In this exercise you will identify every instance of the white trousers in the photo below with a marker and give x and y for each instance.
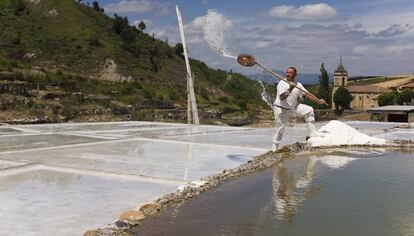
(282, 116)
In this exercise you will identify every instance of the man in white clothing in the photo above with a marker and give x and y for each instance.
(286, 105)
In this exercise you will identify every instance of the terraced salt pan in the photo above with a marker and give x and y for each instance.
(336, 133)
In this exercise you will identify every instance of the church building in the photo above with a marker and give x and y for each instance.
(364, 96)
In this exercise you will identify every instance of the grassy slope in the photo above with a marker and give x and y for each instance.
(63, 43)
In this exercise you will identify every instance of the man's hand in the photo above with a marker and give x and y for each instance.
(323, 102)
(284, 95)
(292, 85)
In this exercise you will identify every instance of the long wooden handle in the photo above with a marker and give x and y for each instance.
(279, 77)
(284, 80)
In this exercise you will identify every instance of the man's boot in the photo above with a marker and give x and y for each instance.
(312, 131)
(275, 147)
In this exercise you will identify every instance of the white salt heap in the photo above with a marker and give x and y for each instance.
(191, 185)
(337, 133)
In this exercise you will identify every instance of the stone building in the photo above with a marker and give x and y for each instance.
(364, 96)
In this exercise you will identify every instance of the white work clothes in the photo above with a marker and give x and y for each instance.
(282, 115)
(292, 100)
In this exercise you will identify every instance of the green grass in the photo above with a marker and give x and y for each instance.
(73, 46)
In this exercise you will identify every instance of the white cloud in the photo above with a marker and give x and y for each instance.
(163, 10)
(130, 6)
(305, 45)
(261, 44)
(198, 24)
(197, 39)
(364, 50)
(394, 30)
(317, 12)
(397, 49)
(376, 20)
(138, 6)
(377, 50)
(160, 34)
(357, 26)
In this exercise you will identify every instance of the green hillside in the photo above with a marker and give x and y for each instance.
(89, 61)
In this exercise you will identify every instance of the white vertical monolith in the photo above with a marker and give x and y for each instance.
(191, 105)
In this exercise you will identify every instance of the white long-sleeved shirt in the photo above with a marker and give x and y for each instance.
(292, 100)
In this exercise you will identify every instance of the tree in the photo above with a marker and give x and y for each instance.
(142, 26)
(120, 24)
(388, 98)
(324, 92)
(96, 5)
(179, 49)
(405, 97)
(342, 98)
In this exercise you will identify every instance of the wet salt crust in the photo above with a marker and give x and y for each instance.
(333, 134)
(336, 133)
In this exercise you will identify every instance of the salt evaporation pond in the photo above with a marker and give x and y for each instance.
(338, 192)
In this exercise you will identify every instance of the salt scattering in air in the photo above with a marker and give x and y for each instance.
(214, 32)
(337, 133)
(265, 96)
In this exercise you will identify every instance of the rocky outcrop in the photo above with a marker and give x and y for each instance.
(110, 72)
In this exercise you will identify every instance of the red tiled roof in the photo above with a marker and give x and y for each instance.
(408, 85)
(366, 89)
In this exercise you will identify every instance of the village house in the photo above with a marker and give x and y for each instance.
(404, 85)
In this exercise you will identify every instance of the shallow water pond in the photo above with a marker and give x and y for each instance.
(339, 192)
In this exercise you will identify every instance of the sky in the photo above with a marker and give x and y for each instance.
(374, 37)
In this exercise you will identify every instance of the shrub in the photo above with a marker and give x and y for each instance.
(18, 6)
(173, 95)
(147, 93)
(94, 41)
(405, 97)
(388, 98)
(204, 93)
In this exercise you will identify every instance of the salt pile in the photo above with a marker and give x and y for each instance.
(191, 185)
(336, 133)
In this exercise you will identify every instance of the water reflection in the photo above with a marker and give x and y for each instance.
(292, 179)
(291, 185)
(358, 153)
(312, 194)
